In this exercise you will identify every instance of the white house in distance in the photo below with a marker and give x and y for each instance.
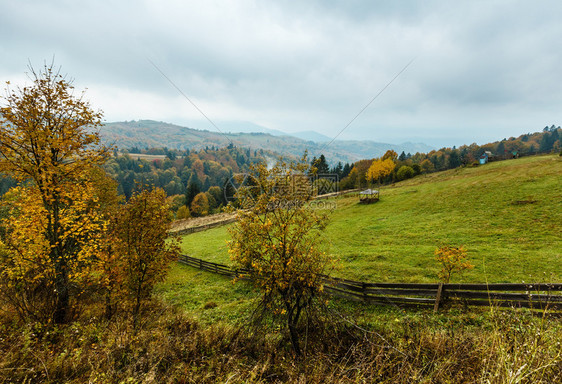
(486, 156)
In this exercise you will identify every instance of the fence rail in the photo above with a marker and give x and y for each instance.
(534, 296)
(335, 194)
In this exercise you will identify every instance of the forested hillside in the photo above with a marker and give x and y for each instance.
(206, 167)
(407, 165)
(145, 134)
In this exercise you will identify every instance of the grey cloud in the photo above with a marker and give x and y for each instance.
(481, 67)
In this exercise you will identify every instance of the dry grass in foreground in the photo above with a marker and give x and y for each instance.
(172, 348)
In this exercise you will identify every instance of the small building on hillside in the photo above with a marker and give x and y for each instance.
(368, 196)
(486, 156)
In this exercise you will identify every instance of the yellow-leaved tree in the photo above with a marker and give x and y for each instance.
(200, 205)
(380, 169)
(144, 254)
(48, 142)
(278, 238)
(453, 260)
(109, 275)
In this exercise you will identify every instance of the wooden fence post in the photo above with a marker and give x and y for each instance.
(438, 297)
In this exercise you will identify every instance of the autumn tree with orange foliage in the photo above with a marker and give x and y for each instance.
(278, 237)
(380, 169)
(200, 205)
(427, 166)
(144, 255)
(453, 260)
(390, 154)
(48, 141)
(109, 277)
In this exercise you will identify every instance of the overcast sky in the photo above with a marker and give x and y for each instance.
(482, 70)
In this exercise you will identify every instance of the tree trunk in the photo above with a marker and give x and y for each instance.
(136, 307)
(292, 323)
(58, 258)
(108, 306)
(294, 338)
(63, 297)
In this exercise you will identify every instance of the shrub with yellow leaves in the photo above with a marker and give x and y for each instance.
(278, 237)
(452, 260)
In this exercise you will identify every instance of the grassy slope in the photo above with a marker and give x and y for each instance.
(394, 239)
(208, 297)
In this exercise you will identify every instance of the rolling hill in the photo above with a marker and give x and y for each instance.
(154, 134)
(508, 215)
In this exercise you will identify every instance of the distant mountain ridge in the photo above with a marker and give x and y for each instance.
(312, 136)
(155, 134)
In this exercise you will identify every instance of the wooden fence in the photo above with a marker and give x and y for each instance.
(221, 269)
(335, 194)
(534, 296)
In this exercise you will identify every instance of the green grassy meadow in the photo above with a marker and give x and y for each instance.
(208, 297)
(507, 214)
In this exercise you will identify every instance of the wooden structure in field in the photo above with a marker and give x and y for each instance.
(368, 196)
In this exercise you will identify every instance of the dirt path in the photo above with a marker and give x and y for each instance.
(196, 224)
(201, 222)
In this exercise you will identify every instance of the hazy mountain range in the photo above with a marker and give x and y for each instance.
(155, 134)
